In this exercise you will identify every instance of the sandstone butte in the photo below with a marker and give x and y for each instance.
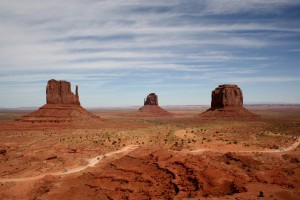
(151, 108)
(59, 92)
(62, 105)
(227, 102)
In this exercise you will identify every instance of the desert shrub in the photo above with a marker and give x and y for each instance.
(261, 194)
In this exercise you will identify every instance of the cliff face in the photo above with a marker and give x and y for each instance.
(151, 108)
(227, 103)
(59, 92)
(227, 96)
(62, 106)
(152, 99)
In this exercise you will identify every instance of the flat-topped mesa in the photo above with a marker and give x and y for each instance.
(59, 92)
(227, 103)
(227, 95)
(152, 99)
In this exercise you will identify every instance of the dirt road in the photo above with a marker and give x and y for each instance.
(91, 163)
(281, 150)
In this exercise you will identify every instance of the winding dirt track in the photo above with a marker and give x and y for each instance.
(281, 150)
(91, 163)
(95, 160)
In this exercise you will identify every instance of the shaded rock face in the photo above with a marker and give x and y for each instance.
(227, 103)
(62, 106)
(151, 108)
(59, 92)
(227, 96)
(152, 99)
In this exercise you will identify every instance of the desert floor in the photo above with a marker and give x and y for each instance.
(127, 157)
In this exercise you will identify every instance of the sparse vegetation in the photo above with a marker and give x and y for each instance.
(179, 135)
(261, 194)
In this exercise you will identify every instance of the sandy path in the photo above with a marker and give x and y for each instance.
(281, 150)
(91, 163)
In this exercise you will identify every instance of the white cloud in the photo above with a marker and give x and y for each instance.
(188, 40)
(29, 30)
(265, 79)
(237, 6)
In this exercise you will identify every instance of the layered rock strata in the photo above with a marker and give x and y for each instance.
(227, 102)
(59, 92)
(151, 99)
(151, 108)
(62, 106)
(227, 96)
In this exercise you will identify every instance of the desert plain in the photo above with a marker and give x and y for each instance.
(126, 156)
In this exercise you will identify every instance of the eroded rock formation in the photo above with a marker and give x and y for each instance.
(152, 99)
(227, 95)
(62, 106)
(151, 108)
(227, 102)
(59, 92)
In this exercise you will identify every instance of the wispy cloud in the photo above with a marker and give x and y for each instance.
(264, 79)
(114, 42)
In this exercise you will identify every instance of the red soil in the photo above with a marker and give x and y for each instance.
(160, 174)
(178, 158)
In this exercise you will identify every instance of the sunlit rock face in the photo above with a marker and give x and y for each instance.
(59, 92)
(227, 96)
(151, 99)
(227, 103)
(62, 106)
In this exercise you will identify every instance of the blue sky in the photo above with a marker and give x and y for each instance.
(119, 51)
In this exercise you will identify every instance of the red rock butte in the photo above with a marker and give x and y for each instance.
(227, 96)
(152, 99)
(62, 106)
(151, 108)
(59, 92)
(227, 102)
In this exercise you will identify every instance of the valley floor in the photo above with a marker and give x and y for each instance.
(179, 157)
